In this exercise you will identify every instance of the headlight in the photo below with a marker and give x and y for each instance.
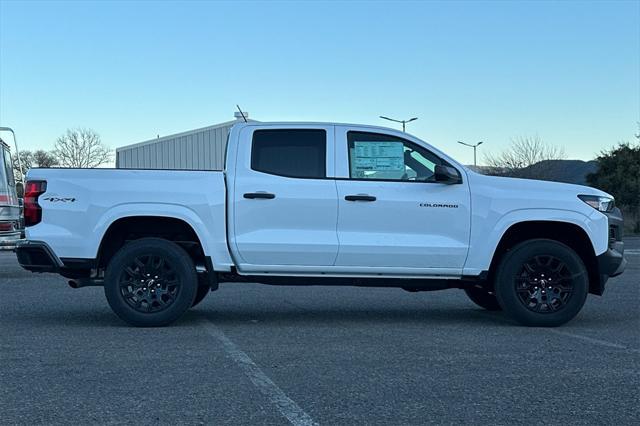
(603, 204)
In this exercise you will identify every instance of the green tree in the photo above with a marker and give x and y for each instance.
(619, 175)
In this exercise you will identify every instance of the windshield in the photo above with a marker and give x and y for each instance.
(7, 182)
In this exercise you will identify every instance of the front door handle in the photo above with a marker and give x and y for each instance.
(360, 197)
(262, 195)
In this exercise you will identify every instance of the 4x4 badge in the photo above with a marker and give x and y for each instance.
(60, 200)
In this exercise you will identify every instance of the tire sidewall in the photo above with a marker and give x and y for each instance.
(173, 254)
(512, 263)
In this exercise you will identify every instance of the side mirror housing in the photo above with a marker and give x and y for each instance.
(447, 174)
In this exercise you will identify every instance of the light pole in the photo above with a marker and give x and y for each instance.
(15, 142)
(404, 122)
(474, 150)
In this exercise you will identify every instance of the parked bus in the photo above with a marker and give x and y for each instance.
(9, 208)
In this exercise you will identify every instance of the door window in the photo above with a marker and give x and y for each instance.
(297, 153)
(377, 156)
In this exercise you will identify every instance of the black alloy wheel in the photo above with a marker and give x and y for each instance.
(544, 284)
(541, 283)
(150, 282)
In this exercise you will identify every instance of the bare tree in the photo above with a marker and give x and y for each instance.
(521, 154)
(81, 148)
(26, 160)
(29, 160)
(42, 158)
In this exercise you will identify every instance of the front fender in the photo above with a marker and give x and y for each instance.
(486, 233)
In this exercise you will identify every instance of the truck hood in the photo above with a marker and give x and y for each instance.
(501, 195)
(532, 185)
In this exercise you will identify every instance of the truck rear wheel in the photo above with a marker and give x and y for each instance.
(150, 282)
(483, 298)
(541, 283)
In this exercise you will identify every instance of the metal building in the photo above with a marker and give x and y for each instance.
(199, 149)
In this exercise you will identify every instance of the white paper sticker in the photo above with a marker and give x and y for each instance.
(378, 156)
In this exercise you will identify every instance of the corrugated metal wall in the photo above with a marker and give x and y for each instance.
(202, 149)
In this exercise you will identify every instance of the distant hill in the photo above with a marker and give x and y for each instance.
(567, 171)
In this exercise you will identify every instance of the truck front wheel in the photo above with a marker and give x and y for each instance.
(541, 283)
(150, 282)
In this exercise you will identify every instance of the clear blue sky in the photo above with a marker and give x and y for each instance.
(568, 71)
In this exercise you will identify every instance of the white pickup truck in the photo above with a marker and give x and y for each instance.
(322, 204)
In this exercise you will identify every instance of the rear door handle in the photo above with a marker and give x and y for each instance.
(262, 195)
(360, 198)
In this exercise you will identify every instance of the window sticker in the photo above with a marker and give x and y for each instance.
(378, 156)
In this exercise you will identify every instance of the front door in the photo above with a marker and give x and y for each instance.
(285, 206)
(392, 214)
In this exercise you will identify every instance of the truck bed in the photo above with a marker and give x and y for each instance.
(80, 204)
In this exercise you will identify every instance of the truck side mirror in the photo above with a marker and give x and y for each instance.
(447, 174)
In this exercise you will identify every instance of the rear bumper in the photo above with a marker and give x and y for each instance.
(8, 240)
(36, 256)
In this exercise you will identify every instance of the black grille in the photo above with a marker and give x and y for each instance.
(614, 233)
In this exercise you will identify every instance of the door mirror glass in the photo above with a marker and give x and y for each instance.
(447, 174)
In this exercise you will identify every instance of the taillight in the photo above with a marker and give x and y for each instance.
(7, 226)
(32, 210)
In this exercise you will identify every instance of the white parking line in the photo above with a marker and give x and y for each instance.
(286, 405)
(632, 251)
(592, 340)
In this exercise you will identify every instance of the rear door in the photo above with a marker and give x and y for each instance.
(284, 198)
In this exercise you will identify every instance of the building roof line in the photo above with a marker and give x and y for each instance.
(177, 135)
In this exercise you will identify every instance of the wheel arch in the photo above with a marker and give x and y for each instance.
(136, 226)
(571, 234)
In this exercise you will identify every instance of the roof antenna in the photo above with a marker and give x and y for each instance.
(241, 113)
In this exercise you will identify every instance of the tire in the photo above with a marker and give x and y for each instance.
(203, 291)
(541, 283)
(150, 282)
(483, 298)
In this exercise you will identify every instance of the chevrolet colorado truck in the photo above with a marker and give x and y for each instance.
(322, 204)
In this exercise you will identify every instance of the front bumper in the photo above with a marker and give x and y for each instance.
(612, 263)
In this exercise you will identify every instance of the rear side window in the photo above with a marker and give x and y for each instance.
(297, 153)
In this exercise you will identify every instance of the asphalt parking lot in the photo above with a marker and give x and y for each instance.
(255, 354)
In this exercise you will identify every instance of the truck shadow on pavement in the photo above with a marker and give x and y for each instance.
(337, 316)
(78, 317)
